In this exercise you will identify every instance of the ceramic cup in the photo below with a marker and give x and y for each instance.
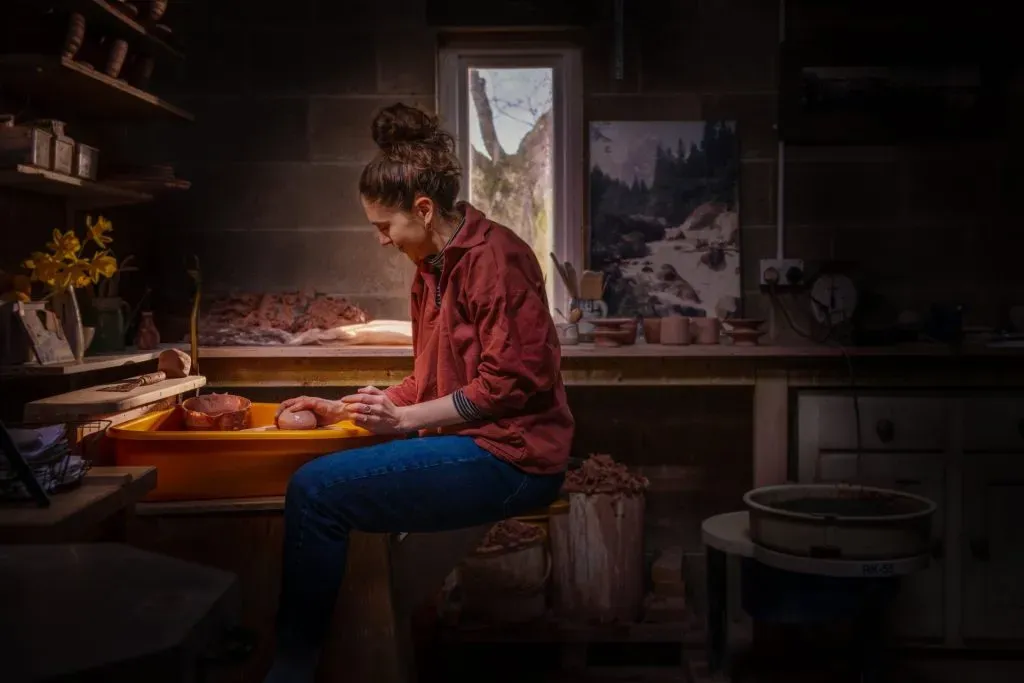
(675, 330)
(705, 330)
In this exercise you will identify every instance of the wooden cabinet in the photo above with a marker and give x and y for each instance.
(965, 451)
(993, 495)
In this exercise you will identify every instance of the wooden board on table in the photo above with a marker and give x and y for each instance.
(71, 515)
(86, 403)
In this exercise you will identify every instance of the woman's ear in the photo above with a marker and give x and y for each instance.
(423, 208)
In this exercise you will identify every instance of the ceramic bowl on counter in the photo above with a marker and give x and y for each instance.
(743, 331)
(610, 332)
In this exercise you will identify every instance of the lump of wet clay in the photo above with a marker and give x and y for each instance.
(301, 419)
(602, 474)
(174, 363)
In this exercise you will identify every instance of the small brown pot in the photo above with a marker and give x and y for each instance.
(75, 36)
(652, 330)
(115, 58)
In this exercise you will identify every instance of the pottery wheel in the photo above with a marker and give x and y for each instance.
(730, 533)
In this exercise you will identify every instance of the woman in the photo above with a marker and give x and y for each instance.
(485, 398)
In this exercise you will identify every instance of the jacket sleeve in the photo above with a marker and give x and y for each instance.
(520, 353)
(404, 393)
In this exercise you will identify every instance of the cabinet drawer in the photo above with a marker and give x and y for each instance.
(994, 423)
(898, 423)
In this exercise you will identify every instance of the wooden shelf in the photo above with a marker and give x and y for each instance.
(108, 16)
(83, 193)
(102, 361)
(82, 88)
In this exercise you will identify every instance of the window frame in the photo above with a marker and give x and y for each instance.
(568, 136)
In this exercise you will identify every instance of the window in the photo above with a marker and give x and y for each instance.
(518, 121)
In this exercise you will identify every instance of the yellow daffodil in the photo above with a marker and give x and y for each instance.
(44, 267)
(66, 265)
(97, 231)
(102, 265)
(65, 246)
(80, 273)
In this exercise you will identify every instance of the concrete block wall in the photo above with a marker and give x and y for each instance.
(283, 94)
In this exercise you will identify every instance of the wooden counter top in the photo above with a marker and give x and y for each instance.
(587, 351)
(637, 365)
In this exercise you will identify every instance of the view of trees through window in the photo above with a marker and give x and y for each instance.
(511, 152)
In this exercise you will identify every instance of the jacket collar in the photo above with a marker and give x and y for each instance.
(473, 231)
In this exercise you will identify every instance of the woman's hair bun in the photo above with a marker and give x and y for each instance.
(401, 123)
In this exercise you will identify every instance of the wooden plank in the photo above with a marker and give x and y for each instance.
(84, 193)
(85, 90)
(771, 429)
(101, 361)
(72, 515)
(199, 507)
(85, 403)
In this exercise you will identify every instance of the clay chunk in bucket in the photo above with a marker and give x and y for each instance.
(217, 412)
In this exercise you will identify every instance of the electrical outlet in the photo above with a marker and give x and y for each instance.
(785, 273)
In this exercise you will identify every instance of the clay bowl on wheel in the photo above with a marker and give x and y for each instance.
(217, 413)
(614, 331)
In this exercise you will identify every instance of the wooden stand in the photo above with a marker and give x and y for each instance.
(597, 557)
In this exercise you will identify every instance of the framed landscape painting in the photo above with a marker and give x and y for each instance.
(664, 217)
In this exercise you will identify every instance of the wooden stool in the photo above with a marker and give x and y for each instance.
(388, 577)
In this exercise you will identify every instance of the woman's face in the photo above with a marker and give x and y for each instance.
(408, 231)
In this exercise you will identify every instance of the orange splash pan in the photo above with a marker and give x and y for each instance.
(208, 465)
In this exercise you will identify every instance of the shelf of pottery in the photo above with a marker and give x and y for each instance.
(92, 59)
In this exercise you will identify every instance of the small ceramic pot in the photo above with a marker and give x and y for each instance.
(115, 58)
(652, 330)
(75, 35)
(675, 330)
(705, 330)
(568, 333)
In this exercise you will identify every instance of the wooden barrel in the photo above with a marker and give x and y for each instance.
(507, 585)
(597, 558)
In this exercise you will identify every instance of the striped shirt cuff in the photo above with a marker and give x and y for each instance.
(465, 408)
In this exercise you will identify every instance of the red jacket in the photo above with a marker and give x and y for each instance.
(492, 337)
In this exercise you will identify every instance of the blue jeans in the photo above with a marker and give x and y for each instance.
(427, 484)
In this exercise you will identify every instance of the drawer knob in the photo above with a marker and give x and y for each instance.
(886, 430)
(980, 549)
(1020, 426)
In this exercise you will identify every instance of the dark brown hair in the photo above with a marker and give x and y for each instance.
(416, 158)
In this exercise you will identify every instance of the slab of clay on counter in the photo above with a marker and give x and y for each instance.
(267, 319)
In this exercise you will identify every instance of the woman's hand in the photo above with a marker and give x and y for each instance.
(371, 409)
(327, 412)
